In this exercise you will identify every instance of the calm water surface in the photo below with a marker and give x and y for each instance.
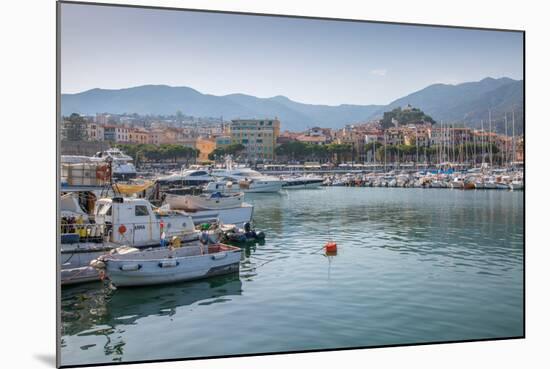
(413, 265)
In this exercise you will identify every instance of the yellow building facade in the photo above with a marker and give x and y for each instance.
(258, 136)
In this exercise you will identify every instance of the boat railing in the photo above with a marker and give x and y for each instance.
(102, 232)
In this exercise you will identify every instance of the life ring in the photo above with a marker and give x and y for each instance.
(122, 229)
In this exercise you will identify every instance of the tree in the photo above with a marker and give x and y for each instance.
(340, 151)
(74, 128)
(234, 149)
(404, 117)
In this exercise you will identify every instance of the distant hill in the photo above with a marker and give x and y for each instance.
(160, 99)
(469, 103)
(466, 102)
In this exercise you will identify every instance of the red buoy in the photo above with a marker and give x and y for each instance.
(331, 247)
(122, 229)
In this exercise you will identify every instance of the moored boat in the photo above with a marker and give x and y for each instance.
(168, 265)
(205, 201)
(291, 183)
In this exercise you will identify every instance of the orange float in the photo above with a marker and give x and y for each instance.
(331, 247)
(122, 229)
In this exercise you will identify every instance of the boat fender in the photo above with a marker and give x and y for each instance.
(122, 229)
(98, 264)
(219, 256)
(168, 263)
(130, 267)
(260, 235)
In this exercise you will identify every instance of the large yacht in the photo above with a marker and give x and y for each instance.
(301, 182)
(244, 179)
(122, 164)
(247, 180)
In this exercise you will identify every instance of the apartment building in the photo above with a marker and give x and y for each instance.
(258, 136)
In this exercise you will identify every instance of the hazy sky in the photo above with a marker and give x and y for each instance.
(312, 61)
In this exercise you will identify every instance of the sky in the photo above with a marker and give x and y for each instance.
(306, 60)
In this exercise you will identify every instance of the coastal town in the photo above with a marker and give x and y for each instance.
(387, 142)
(251, 185)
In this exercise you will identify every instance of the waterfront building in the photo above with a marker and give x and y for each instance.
(116, 133)
(138, 136)
(258, 136)
(95, 132)
(316, 140)
(122, 133)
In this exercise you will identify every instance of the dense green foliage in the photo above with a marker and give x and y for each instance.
(220, 152)
(165, 152)
(403, 117)
(300, 151)
(74, 128)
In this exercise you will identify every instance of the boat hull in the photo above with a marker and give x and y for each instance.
(153, 271)
(298, 185)
(189, 202)
(238, 215)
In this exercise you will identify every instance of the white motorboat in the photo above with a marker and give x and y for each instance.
(205, 201)
(291, 183)
(122, 164)
(244, 180)
(168, 265)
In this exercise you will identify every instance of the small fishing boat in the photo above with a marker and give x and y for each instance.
(126, 267)
(205, 201)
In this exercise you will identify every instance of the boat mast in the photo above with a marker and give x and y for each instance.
(482, 144)
(513, 137)
(505, 161)
(490, 142)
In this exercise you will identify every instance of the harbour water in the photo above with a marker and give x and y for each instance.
(413, 265)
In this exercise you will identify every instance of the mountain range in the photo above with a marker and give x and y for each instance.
(466, 103)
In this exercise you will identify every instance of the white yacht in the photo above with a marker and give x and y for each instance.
(122, 164)
(244, 179)
(247, 180)
(302, 182)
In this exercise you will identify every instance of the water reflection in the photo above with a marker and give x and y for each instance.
(96, 310)
(411, 266)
